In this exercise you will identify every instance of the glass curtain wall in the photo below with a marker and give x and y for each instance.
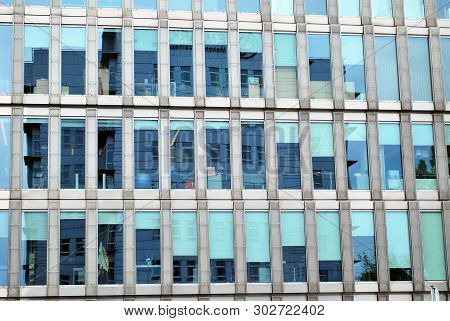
(285, 51)
(251, 58)
(145, 4)
(356, 151)
(109, 154)
(319, 66)
(386, 65)
(424, 156)
(35, 153)
(293, 246)
(73, 3)
(146, 162)
(216, 64)
(221, 246)
(349, 8)
(257, 247)
(148, 248)
(218, 155)
(322, 151)
(353, 62)
(180, 5)
(181, 72)
(36, 59)
(72, 248)
(6, 39)
(316, 7)
(413, 9)
(110, 248)
(73, 60)
(282, 7)
(419, 68)
(381, 8)
(215, 6)
(433, 246)
(288, 154)
(248, 6)
(253, 155)
(73, 153)
(445, 47)
(5, 151)
(443, 9)
(398, 246)
(182, 154)
(391, 156)
(329, 248)
(363, 236)
(114, 4)
(109, 61)
(4, 248)
(145, 62)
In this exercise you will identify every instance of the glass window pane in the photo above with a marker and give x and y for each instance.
(424, 156)
(445, 45)
(110, 61)
(221, 245)
(381, 8)
(288, 154)
(357, 162)
(184, 238)
(73, 65)
(248, 6)
(182, 154)
(252, 85)
(72, 248)
(419, 68)
(216, 63)
(398, 246)
(73, 3)
(363, 236)
(447, 130)
(413, 9)
(285, 50)
(146, 164)
(433, 247)
(215, 5)
(253, 155)
(443, 9)
(322, 150)
(110, 248)
(6, 39)
(386, 64)
(35, 153)
(182, 5)
(148, 248)
(319, 67)
(146, 62)
(45, 3)
(349, 8)
(33, 270)
(329, 248)
(109, 154)
(145, 4)
(391, 156)
(283, 7)
(257, 247)
(4, 249)
(316, 7)
(110, 3)
(37, 40)
(7, 3)
(353, 61)
(5, 151)
(218, 155)
(181, 72)
(72, 153)
(293, 245)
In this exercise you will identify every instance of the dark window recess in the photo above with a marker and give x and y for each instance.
(110, 63)
(330, 271)
(109, 157)
(72, 157)
(258, 272)
(288, 165)
(73, 72)
(110, 254)
(36, 154)
(218, 158)
(222, 271)
(323, 173)
(400, 274)
(364, 258)
(148, 256)
(253, 156)
(294, 263)
(72, 252)
(184, 269)
(182, 159)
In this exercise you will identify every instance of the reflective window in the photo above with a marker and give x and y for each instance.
(391, 156)
(285, 50)
(398, 246)
(145, 4)
(146, 62)
(146, 164)
(109, 154)
(45, 3)
(109, 61)
(293, 246)
(445, 45)
(4, 249)
(5, 151)
(73, 3)
(148, 248)
(257, 247)
(288, 154)
(182, 154)
(215, 5)
(424, 156)
(282, 7)
(248, 6)
(252, 85)
(37, 41)
(319, 67)
(7, 3)
(381, 8)
(110, 3)
(72, 248)
(447, 134)
(357, 162)
(6, 39)
(353, 61)
(216, 63)
(181, 72)
(73, 65)
(443, 9)
(329, 248)
(433, 247)
(413, 9)
(35, 153)
(349, 8)
(322, 151)
(182, 5)
(253, 155)
(316, 7)
(221, 246)
(218, 155)
(419, 68)
(73, 153)
(110, 248)
(33, 267)
(184, 239)
(386, 64)
(363, 236)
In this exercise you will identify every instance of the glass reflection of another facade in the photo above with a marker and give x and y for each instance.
(181, 59)
(252, 85)
(73, 60)
(216, 64)
(257, 247)
(319, 66)
(253, 155)
(293, 246)
(148, 248)
(398, 246)
(72, 153)
(424, 156)
(391, 156)
(182, 169)
(145, 62)
(109, 61)
(322, 150)
(218, 155)
(146, 163)
(285, 52)
(329, 248)
(221, 246)
(36, 59)
(35, 153)
(357, 162)
(72, 248)
(353, 62)
(288, 155)
(110, 248)
(443, 9)
(109, 154)
(5, 151)
(363, 236)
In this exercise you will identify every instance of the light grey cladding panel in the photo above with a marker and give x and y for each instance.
(232, 10)
(265, 10)
(54, 144)
(381, 247)
(340, 156)
(271, 156)
(240, 265)
(128, 153)
(403, 68)
(333, 11)
(409, 175)
(16, 152)
(236, 155)
(370, 67)
(91, 151)
(164, 154)
(166, 246)
(92, 61)
(336, 67)
(18, 56)
(416, 246)
(268, 69)
(307, 184)
(199, 65)
(53, 249)
(162, 8)
(203, 248)
(55, 60)
(164, 63)
(398, 12)
(446, 220)
(15, 232)
(200, 154)
(129, 263)
(303, 65)
(430, 12)
(374, 156)
(91, 248)
(365, 12)
(234, 64)
(127, 62)
(312, 255)
(345, 222)
(299, 11)
(197, 9)
(275, 246)
(441, 157)
(437, 70)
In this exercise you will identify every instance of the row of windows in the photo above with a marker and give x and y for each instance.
(182, 154)
(146, 74)
(413, 9)
(110, 242)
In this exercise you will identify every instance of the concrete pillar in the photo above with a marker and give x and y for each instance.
(53, 249)
(128, 154)
(333, 11)
(232, 10)
(200, 154)
(303, 66)
(398, 12)
(276, 259)
(370, 67)
(430, 13)
(409, 174)
(197, 9)
(441, 157)
(381, 248)
(240, 259)
(366, 12)
(299, 11)
(436, 70)
(55, 54)
(164, 154)
(236, 155)
(167, 251)
(54, 144)
(268, 61)
(266, 10)
(374, 156)
(199, 64)
(403, 68)
(337, 73)
(15, 232)
(234, 63)
(129, 249)
(340, 158)
(416, 250)
(18, 55)
(203, 248)
(306, 156)
(345, 222)
(446, 225)
(271, 156)
(91, 153)
(128, 61)
(312, 254)
(163, 60)
(92, 55)
(162, 9)
(91, 276)
(16, 153)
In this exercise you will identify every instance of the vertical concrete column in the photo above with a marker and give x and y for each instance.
(306, 156)
(381, 248)
(92, 54)
(164, 154)
(337, 73)
(398, 12)
(370, 67)
(240, 258)
(333, 11)
(200, 154)
(162, 9)
(236, 155)
(299, 11)
(166, 255)
(53, 249)
(129, 249)
(91, 153)
(403, 68)
(348, 275)
(303, 65)
(91, 248)
(234, 64)
(199, 64)
(446, 221)
(16, 153)
(18, 41)
(374, 156)
(416, 250)
(441, 157)
(430, 13)
(163, 61)
(54, 153)
(203, 248)
(276, 250)
(436, 69)
(128, 61)
(128, 153)
(366, 12)
(55, 54)
(409, 174)
(266, 10)
(269, 70)
(340, 157)
(232, 10)
(312, 254)
(197, 9)
(271, 156)
(15, 232)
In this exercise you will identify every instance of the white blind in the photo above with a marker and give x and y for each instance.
(221, 242)
(328, 240)
(147, 220)
(184, 233)
(257, 237)
(292, 229)
(34, 226)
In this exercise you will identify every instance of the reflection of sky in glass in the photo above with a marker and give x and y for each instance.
(145, 4)
(35, 37)
(73, 3)
(5, 58)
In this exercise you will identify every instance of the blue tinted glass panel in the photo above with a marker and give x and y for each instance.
(110, 154)
(288, 154)
(433, 246)
(413, 9)
(386, 64)
(349, 8)
(72, 154)
(146, 170)
(319, 67)
(316, 7)
(73, 3)
(363, 235)
(181, 72)
(285, 50)
(148, 248)
(328, 243)
(282, 7)
(110, 61)
(322, 151)
(353, 61)
(181, 5)
(381, 8)
(251, 65)
(443, 9)
(221, 246)
(5, 151)
(37, 3)
(36, 44)
(4, 230)
(146, 62)
(6, 59)
(398, 246)
(253, 155)
(293, 245)
(419, 68)
(110, 3)
(390, 156)
(248, 6)
(72, 248)
(110, 248)
(357, 162)
(445, 45)
(215, 5)
(257, 247)
(73, 61)
(218, 155)
(216, 60)
(182, 154)
(424, 156)
(35, 153)
(7, 3)
(145, 4)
